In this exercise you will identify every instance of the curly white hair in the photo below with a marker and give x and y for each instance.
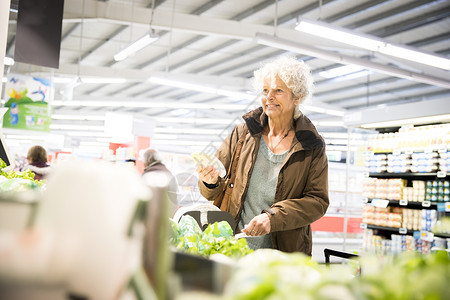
(294, 73)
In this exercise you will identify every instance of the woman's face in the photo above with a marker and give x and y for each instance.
(277, 100)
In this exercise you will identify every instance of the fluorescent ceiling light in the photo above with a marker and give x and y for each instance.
(276, 42)
(201, 88)
(8, 61)
(399, 123)
(340, 35)
(139, 44)
(372, 43)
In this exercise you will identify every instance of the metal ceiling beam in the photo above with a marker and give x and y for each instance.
(390, 13)
(421, 20)
(354, 10)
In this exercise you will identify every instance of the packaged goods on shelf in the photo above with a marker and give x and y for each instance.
(384, 188)
(437, 190)
(411, 138)
(373, 243)
(399, 217)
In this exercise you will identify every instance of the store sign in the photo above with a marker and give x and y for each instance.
(27, 103)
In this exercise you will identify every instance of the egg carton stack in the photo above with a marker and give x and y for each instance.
(376, 163)
(416, 193)
(444, 161)
(399, 163)
(380, 216)
(425, 162)
(390, 189)
(411, 219)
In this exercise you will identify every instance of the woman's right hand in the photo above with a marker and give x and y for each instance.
(208, 175)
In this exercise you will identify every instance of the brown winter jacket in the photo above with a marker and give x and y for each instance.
(301, 196)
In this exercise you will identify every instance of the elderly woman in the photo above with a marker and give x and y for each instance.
(281, 183)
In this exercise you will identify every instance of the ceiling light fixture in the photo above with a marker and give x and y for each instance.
(272, 41)
(145, 40)
(148, 38)
(372, 43)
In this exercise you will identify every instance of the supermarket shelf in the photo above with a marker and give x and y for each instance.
(409, 204)
(404, 175)
(443, 235)
(391, 229)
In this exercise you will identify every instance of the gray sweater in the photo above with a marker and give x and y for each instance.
(261, 191)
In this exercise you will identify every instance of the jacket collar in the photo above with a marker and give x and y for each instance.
(305, 131)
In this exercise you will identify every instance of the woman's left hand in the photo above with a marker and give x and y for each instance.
(259, 225)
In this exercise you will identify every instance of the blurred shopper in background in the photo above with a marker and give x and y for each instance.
(281, 184)
(155, 169)
(37, 162)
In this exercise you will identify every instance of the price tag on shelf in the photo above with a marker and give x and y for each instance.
(380, 203)
(426, 203)
(426, 236)
(363, 225)
(416, 235)
(442, 150)
(396, 152)
(428, 150)
(402, 230)
(366, 174)
(409, 151)
(365, 200)
(403, 202)
(441, 174)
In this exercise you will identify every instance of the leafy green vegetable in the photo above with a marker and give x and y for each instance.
(216, 239)
(271, 274)
(17, 181)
